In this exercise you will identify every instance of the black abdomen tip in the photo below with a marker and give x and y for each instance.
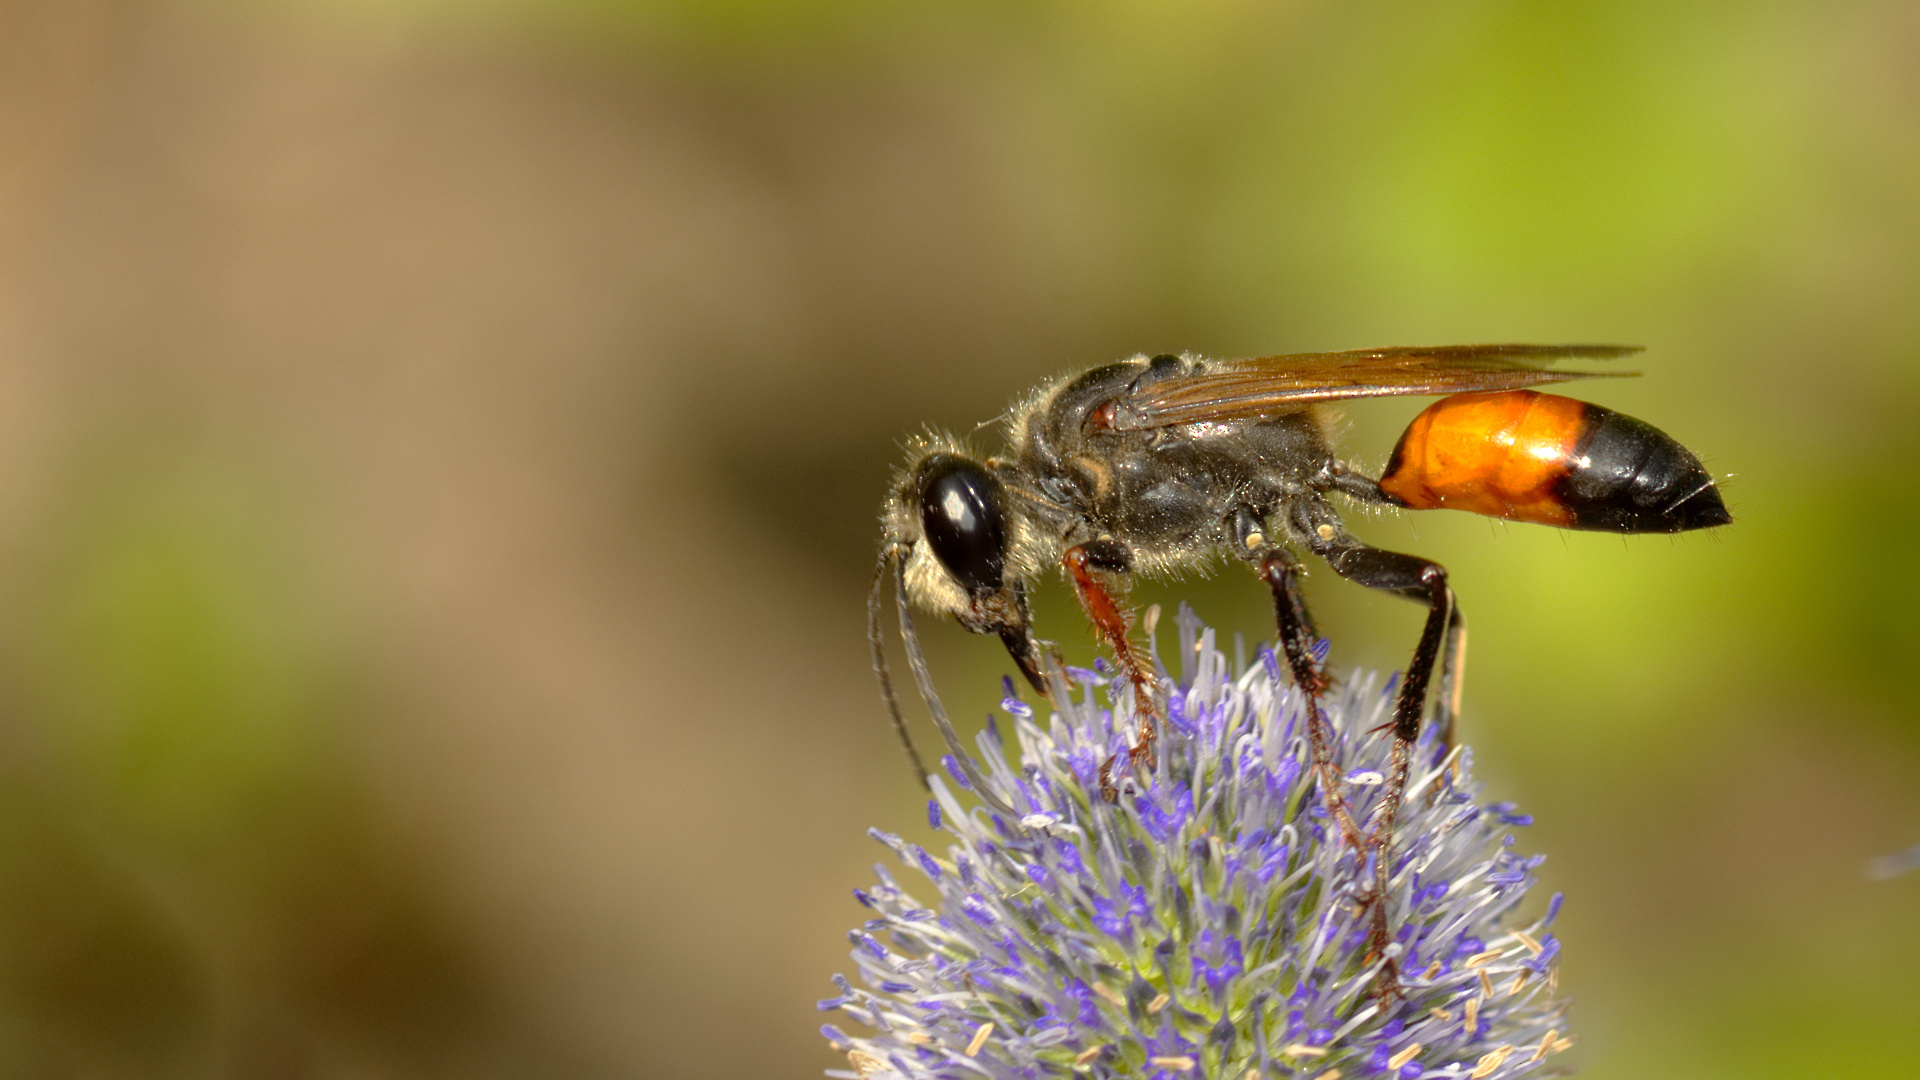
(1627, 476)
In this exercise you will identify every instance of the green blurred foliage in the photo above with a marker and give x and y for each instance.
(184, 681)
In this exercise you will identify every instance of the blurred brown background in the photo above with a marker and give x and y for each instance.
(439, 445)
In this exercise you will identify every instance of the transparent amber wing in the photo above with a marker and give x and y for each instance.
(1272, 385)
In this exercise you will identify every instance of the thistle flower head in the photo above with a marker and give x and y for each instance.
(1209, 923)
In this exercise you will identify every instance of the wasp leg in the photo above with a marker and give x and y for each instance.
(1417, 579)
(1086, 563)
(1351, 482)
(1453, 673)
(1278, 568)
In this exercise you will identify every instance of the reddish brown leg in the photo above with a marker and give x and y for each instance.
(1086, 564)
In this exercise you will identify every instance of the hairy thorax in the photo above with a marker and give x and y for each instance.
(1166, 492)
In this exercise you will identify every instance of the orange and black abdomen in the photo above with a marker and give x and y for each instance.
(1529, 456)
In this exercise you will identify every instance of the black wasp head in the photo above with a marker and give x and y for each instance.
(963, 521)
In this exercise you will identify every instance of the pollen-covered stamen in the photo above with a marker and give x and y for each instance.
(980, 1037)
(1490, 1063)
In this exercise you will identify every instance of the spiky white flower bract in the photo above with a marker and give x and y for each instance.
(1209, 923)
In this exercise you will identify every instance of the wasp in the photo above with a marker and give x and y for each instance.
(1161, 464)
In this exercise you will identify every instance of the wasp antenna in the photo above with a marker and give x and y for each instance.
(877, 639)
(923, 678)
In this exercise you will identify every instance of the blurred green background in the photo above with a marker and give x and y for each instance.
(439, 445)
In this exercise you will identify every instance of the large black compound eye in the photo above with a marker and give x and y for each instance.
(960, 514)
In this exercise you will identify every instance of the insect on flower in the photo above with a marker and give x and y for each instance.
(1160, 464)
(1215, 925)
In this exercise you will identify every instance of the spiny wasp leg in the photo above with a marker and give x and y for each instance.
(1417, 579)
(1319, 522)
(1282, 574)
(1086, 565)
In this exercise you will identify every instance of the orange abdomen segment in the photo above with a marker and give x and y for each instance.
(1503, 455)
